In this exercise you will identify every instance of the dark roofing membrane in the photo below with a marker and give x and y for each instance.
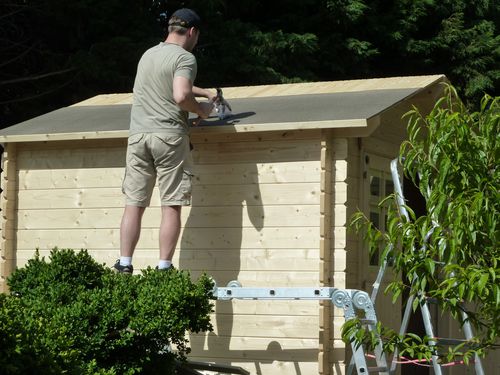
(246, 111)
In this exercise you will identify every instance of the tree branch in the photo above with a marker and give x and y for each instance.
(33, 78)
(38, 95)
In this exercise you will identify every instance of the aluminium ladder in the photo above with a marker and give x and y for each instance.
(424, 307)
(353, 302)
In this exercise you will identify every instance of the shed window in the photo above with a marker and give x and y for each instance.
(378, 184)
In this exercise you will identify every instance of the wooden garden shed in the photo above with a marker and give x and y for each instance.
(274, 188)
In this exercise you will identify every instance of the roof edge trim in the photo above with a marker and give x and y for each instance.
(63, 136)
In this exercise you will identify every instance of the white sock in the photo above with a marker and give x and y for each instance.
(163, 264)
(125, 261)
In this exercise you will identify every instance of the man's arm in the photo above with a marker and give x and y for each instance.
(199, 92)
(184, 96)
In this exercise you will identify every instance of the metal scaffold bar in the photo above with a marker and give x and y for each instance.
(354, 303)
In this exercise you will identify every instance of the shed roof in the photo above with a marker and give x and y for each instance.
(352, 105)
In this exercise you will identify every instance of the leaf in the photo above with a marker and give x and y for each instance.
(481, 284)
(415, 304)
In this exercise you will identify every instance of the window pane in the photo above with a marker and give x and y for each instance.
(375, 219)
(374, 186)
(374, 258)
(389, 187)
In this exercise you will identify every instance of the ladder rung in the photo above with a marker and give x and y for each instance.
(432, 300)
(449, 341)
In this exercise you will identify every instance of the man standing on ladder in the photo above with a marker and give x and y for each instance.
(158, 143)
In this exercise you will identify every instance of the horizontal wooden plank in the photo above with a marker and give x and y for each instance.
(191, 217)
(196, 238)
(262, 278)
(203, 195)
(340, 216)
(255, 348)
(33, 159)
(266, 194)
(64, 178)
(251, 278)
(258, 152)
(268, 326)
(70, 198)
(262, 307)
(73, 144)
(217, 174)
(288, 135)
(75, 155)
(205, 153)
(340, 191)
(259, 367)
(339, 261)
(269, 260)
(263, 173)
(222, 260)
(340, 168)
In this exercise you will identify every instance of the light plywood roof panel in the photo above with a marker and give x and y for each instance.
(288, 89)
(336, 105)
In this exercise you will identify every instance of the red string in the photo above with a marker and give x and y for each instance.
(418, 362)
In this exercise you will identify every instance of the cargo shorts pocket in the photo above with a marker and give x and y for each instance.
(167, 150)
(134, 150)
(139, 178)
(186, 187)
(171, 140)
(135, 138)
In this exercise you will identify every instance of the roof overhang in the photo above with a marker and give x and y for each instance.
(349, 108)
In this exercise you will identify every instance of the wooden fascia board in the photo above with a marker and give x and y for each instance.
(359, 132)
(357, 126)
(255, 128)
(63, 136)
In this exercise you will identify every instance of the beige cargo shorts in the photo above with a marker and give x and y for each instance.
(156, 156)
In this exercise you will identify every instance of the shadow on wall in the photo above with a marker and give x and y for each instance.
(212, 241)
(222, 236)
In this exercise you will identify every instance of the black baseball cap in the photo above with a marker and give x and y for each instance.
(188, 18)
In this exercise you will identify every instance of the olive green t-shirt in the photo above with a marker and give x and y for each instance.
(154, 109)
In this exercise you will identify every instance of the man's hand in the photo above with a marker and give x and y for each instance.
(199, 92)
(220, 101)
(205, 108)
(184, 96)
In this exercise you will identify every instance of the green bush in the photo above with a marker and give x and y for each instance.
(73, 315)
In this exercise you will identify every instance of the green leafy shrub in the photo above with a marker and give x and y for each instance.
(73, 315)
(452, 157)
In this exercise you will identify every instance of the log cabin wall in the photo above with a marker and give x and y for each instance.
(255, 217)
(272, 186)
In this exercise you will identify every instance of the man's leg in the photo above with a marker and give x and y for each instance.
(130, 229)
(170, 229)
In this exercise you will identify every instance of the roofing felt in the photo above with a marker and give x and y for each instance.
(246, 111)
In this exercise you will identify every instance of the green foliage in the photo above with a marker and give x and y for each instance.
(73, 315)
(405, 37)
(451, 253)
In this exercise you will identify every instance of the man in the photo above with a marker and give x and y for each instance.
(158, 143)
